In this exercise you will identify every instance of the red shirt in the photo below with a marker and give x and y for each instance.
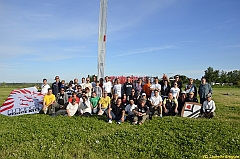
(77, 100)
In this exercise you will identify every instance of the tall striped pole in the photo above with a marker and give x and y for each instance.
(102, 38)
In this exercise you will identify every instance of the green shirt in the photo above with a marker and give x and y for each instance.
(94, 101)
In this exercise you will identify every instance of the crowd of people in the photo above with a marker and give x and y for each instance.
(136, 101)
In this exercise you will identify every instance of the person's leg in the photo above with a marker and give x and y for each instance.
(60, 112)
(144, 118)
(135, 120)
(94, 110)
(55, 107)
(113, 116)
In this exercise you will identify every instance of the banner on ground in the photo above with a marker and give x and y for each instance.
(22, 101)
(191, 110)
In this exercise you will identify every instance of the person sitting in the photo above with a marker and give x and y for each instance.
(116, 112)
(124, 100)
(88, 92)
(129, 109)
(181, 101)
(144, 96)
(85, 107)
(74, 96)
(156, 104)
(104, 103)
(61, 101)
(94, 102)
(114, 99)
(48, 100)
(141, 113)
(134, 96)
(209, 107)
(170, 105)
(63, 85)
(71, 109)
(191, 98)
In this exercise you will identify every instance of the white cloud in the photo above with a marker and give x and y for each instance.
(147, 50)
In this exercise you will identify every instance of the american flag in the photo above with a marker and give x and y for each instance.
(23, 101)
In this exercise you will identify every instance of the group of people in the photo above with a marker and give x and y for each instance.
(136, 101)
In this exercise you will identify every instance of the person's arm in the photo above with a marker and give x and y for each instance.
(213, 106)
(109, 112)
(210, 89)
(68, 112)
(123, 114)
(100, 91)
(164, 106)
(195, 91)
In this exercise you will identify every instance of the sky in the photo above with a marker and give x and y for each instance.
(42, 39)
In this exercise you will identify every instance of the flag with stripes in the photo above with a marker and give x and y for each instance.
(22, 101)
(191, 110)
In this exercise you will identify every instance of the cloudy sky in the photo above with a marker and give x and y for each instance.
(41, 39)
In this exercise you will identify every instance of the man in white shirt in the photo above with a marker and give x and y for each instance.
(209, 107)
(70, 110)
(155, 86)
(117, 89)
(44, 87)
(129, 109)
(107, 86)
(156, 104)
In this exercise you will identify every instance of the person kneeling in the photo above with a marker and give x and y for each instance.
(209, 107)
(116, 112)
(170, 105)
(141, 113)
(85, 107)
(71, 109)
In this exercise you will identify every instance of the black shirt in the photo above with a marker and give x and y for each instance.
(60, 100)
(117, 110)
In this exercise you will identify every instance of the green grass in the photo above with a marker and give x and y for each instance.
(41, 136)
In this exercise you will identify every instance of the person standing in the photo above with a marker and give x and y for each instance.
(56, 86)
(44, 87)
(191, 88)
(204, 89)
(107, 86)
(117, 88)
(179, 83)
(98, 90)
(165, 89)
(175, 90)
(139, 86)
(146, 88)
(83, 83)
(127, 87)
(155, 86)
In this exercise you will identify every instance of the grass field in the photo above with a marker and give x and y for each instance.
(41, 136)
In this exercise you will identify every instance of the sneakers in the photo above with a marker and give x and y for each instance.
(118, 122)
(160, 115)
(134, 122)
(110, 121)
(140, 123)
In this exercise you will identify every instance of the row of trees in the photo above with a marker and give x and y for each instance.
(222, 76)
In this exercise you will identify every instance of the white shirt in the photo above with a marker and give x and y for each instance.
(129, 108)
(175, 91)
(156, 100)
(155, 86)
(209, 105)
(85, 107)
(72, 108)
(44, 88)
(107, 86)
(117, 89)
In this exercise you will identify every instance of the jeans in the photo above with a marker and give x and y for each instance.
(116, 118)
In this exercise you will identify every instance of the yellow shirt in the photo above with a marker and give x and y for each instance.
(49, 98)
(104, 102)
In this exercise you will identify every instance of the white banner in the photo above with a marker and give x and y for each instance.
(191, 110)
(23, 101)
